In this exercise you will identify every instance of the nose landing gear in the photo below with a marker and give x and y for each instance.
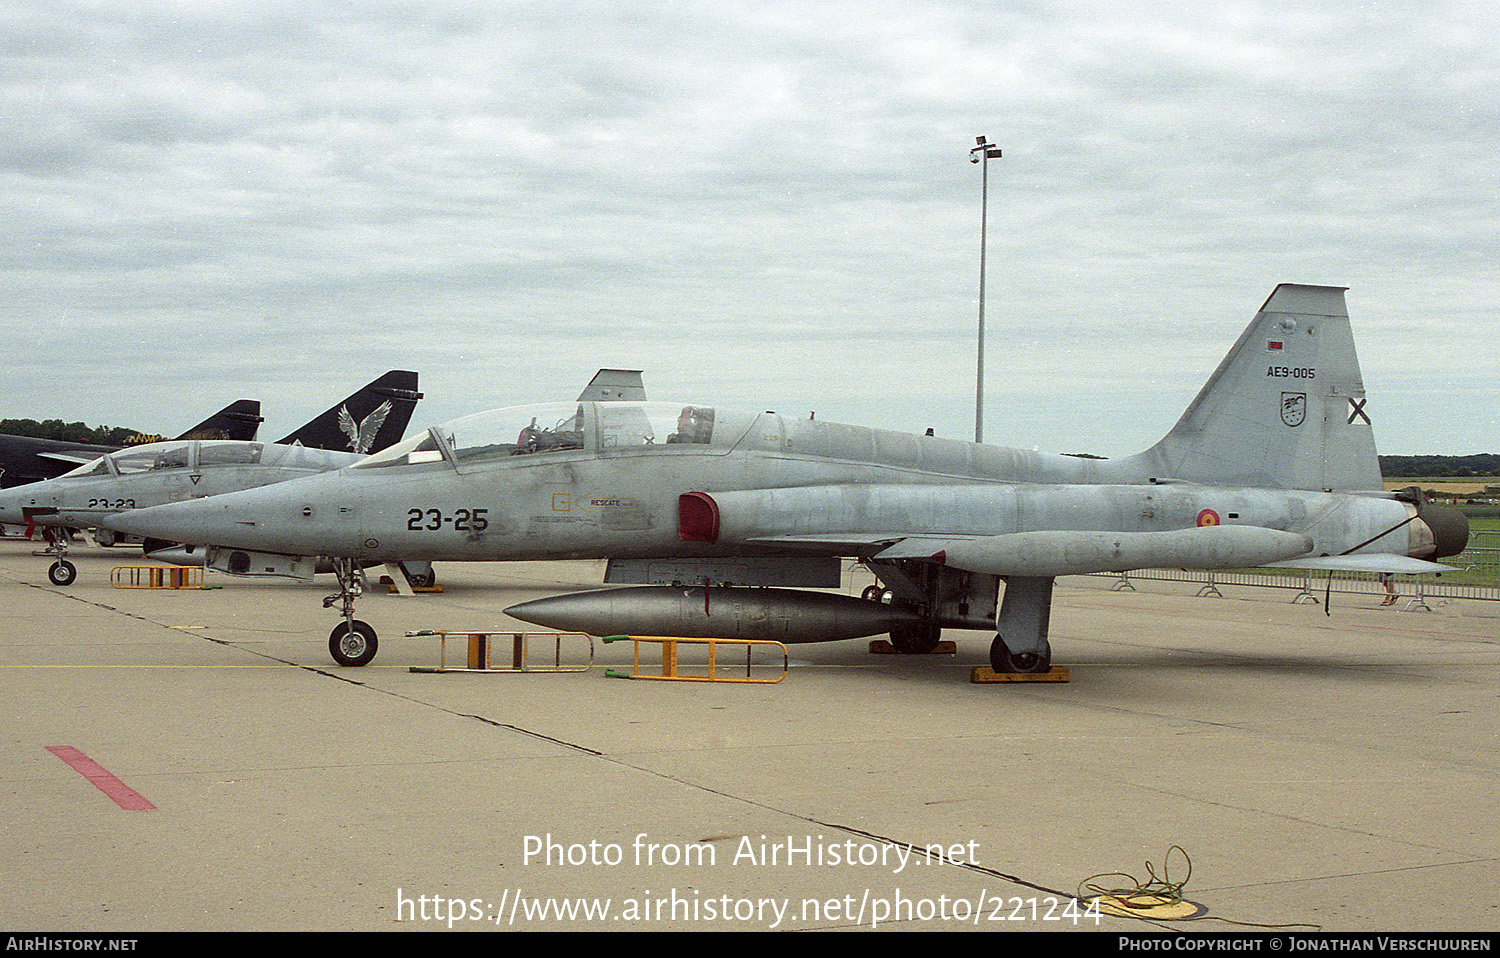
(352, 642)
(62, 572)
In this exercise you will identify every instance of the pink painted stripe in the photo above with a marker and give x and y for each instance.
(122, 794)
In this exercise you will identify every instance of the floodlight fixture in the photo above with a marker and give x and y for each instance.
(985, 151)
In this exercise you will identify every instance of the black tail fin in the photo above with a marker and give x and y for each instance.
(366, 422)
(240, 420)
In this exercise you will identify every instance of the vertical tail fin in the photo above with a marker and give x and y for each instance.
(1285, 409)
(366, 422)
(613, 384)
(240, 420)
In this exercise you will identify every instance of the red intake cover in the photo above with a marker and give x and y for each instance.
(697, 517)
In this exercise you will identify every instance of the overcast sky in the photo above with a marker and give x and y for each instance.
(757, 203)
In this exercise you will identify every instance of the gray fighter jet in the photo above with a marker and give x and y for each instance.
(151, 474)
(720, 522)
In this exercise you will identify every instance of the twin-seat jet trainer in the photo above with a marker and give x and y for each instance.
(717, 523)
(192, 467)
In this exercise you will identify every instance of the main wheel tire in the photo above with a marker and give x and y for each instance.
(352, 643)
(62, 572)
(1003, 660)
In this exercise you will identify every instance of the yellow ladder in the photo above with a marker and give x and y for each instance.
(156, 577)
(669, 661)
(481, 642)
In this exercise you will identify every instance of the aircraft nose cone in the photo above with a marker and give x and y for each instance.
(174, 522)
(297, 517)
(14, 502)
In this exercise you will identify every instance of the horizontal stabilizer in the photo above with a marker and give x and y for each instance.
(1057, 553)
(1378, 562)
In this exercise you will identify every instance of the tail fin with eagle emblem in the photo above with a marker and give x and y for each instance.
(366, 422)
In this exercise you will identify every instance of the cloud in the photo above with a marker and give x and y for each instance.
(764, 203)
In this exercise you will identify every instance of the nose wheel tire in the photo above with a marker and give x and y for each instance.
(352, 643)
(62, 572)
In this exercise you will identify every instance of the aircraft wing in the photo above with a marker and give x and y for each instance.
(1069, 552)
(72, 458)
(1075, 553)
(844, 544)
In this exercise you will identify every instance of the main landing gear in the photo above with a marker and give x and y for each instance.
(957, 599)
(1025, 612)
(919, 639)
(352, 642)
(1002, 659)
(916, 639)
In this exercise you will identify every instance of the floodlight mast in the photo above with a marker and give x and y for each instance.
(982, 154)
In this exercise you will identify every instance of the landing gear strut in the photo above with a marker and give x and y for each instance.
(1025, 612)
(352, 642)
(61, 572)
(941, 598)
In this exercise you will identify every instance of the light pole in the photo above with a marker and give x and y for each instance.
(982, 154)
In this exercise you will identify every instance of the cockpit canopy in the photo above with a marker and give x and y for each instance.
(197, 454)
(502, 434)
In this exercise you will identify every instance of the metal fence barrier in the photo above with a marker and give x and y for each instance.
(1477, 576)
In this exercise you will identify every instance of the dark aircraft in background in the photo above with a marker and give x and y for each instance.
(26, 459)
(711, 514)
(154, 473)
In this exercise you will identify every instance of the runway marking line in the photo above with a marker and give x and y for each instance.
(120, 793)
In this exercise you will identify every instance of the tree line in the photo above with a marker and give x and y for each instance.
(1441, 467)
(73, 432)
